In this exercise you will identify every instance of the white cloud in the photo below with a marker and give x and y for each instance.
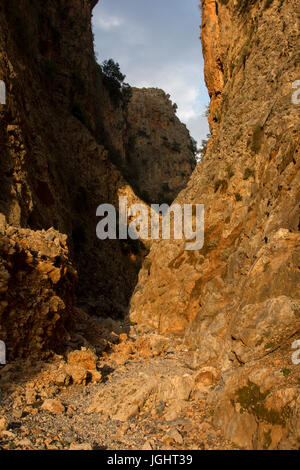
(154, 51)
(198, 127)
(182, 83)
(107, 22)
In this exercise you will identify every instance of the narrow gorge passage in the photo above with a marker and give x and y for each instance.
(127, 344)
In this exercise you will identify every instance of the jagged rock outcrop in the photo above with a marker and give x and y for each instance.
(161, 153)
(56, 134)
(56, 129)
(37, 287)
(63, 133)
(236, 301)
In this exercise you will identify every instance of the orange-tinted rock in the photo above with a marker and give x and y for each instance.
(85, 359)
(35, 313)
(53, 406)
(236, 301)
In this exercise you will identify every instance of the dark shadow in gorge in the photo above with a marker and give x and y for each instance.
(53, 172)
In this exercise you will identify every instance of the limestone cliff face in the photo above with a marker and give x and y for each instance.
(236, 301)
(56, 169)
(37, 290)
(63, 133)
(160, 157)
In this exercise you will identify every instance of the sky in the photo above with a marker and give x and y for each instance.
(156, 43)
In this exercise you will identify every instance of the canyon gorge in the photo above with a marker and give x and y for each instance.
(143, 344)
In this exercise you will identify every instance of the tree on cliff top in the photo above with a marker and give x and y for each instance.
(114, 81)
(111, 69)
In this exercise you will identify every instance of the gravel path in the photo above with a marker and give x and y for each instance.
(146, 403)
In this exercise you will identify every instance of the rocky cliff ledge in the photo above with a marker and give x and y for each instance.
(161, 153)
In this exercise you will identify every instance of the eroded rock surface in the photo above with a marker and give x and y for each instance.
(37, 285)
(209, 360)
(63, 135)
(151, 400)
(237, 300)
(161, 153)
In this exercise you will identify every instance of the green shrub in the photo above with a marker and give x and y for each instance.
(223, 184)
(113, 80)
(113, 88)
(202, 150)
(247, 173)
(257, 138)
(238, 197)
(126, 93)
(252, 401)
(111, 69)
(193, 146)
